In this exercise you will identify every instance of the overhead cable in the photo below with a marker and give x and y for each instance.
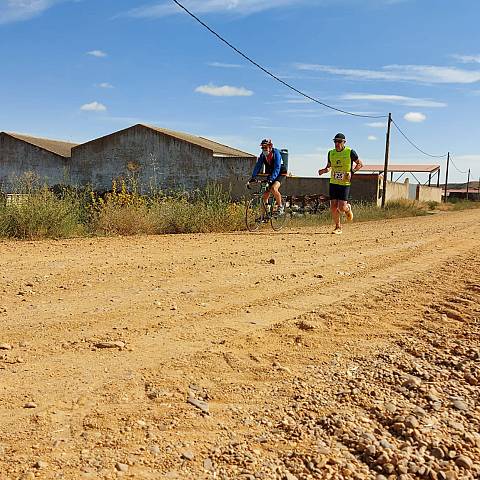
(456, 168)
(415, 146)
(268, 72)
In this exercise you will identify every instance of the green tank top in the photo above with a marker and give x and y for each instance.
(341, 164)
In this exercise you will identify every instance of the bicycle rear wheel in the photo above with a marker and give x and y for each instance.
(277, 220)
(254, 214)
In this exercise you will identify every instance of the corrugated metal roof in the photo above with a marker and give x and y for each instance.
(218, 148)
(64, 149)
(401, 168)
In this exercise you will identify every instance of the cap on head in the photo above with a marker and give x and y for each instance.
(339, 136)
(266, 142)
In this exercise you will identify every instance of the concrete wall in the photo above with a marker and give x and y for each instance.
(305, 186)
(18, 158)
(155, 161)
(397, 191)
(429, 194)
(364, 187)
(232, 173)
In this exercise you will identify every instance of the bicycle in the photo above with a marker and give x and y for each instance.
(258, 212)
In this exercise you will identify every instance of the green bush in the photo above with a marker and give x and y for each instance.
(114, 219)
(124, 213)
(41, 215)
(177, 215)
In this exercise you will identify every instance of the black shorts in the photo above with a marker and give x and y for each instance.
(339, 192)
(279, 179)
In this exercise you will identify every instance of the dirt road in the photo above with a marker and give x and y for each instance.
(293, 355)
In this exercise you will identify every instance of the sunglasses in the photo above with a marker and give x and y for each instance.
(338, 141)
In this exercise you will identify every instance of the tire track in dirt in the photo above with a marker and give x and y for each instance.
(242, 359)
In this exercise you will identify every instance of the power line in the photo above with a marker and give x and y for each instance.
(268, 72)
(456, 168)
(415, 146)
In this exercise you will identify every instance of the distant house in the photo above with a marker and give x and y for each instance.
(158, 158)
(47, 160)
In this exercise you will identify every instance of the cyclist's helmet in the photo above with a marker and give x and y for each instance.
(267, 142)
(339, 136)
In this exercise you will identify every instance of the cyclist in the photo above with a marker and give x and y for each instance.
(271, 159)
(340, 161)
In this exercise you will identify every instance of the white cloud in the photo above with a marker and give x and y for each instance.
(234, 7)
(224, 91)
(105, 85)
(412, 73)
(296, 99)
(372, 138)
(467, 58)
(343, 114)
(398, 99)
(97, 53)
(93, 107)
(377, 124)
(415, 117)
(290, 99)
(224, 65)
(299, 101)
(17, 10)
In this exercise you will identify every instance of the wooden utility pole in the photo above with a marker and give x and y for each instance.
(468, 182)
(446, 177)
(387, 154)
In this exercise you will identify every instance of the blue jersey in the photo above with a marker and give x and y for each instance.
(273, 168)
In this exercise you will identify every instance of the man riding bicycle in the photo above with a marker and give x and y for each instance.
(271, 159)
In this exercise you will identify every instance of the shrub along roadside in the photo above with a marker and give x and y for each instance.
(41, 214)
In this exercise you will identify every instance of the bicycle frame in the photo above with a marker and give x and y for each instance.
(254, 218)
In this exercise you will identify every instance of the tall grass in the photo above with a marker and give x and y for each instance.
(396, 209)
(39, 213)
(393, 209)
(42, 215)
(125, 212)
(458, 205)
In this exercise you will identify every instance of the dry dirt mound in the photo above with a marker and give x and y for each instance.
(276, 356)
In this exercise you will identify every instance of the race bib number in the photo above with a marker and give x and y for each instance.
(338, 175)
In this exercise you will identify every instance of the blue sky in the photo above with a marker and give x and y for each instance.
(79, 69)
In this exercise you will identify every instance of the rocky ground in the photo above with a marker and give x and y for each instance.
(265, 356)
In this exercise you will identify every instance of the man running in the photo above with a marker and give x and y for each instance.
(340, 161)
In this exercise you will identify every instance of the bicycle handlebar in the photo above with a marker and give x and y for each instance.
(256, 180)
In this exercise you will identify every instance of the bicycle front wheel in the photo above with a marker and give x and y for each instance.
(278, 220)
(254, 214)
